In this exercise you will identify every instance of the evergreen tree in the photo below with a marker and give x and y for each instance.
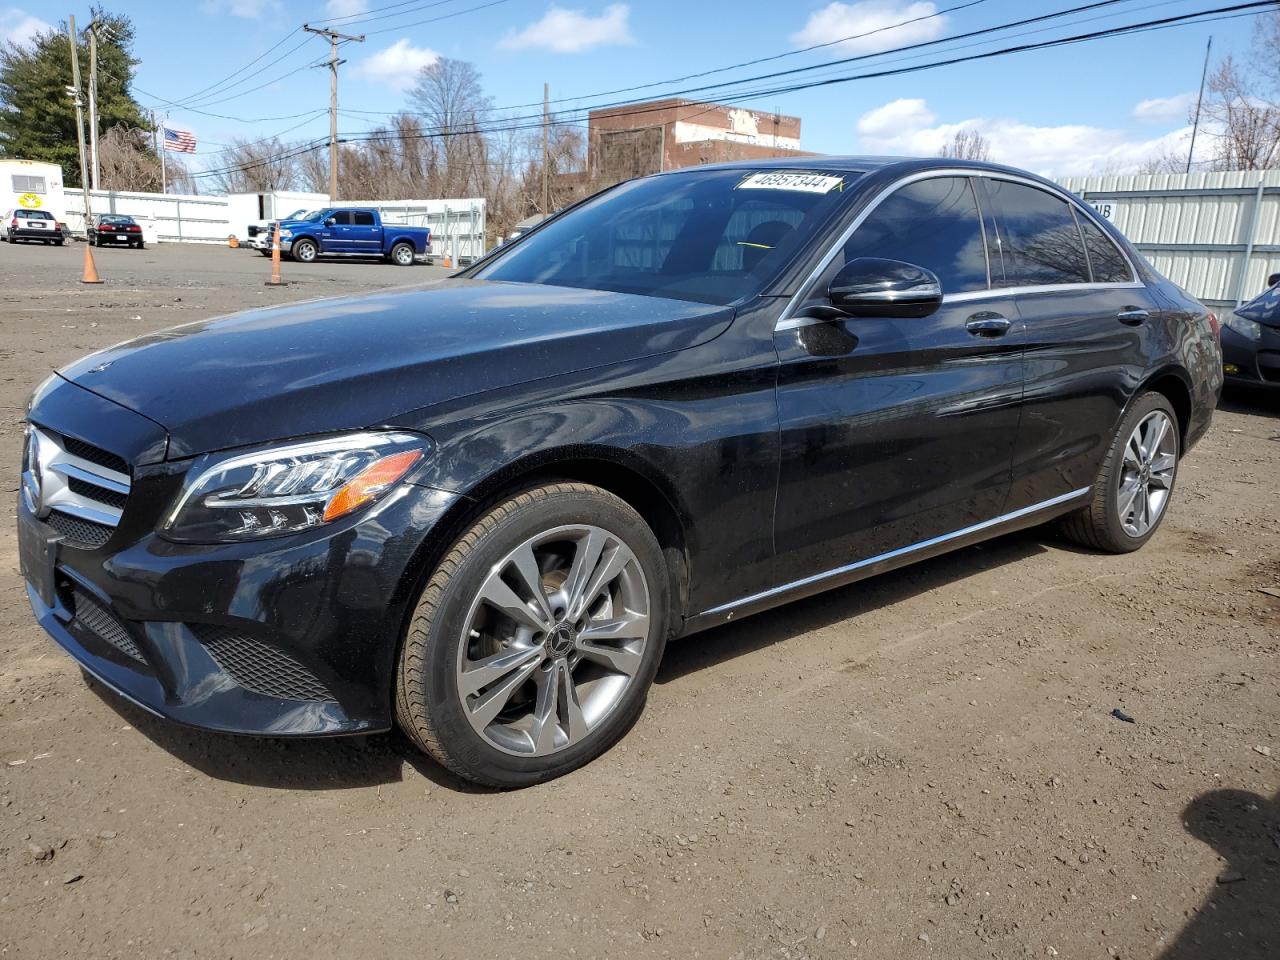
(38, 118)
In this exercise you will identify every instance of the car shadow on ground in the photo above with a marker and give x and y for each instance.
(1240, 917)
(345, 762)
(1251, 400)
(335, 763)
(703, 650)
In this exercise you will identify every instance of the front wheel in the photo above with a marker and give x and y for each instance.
(304, 251)
(535, 640)
(402, 254)
(1131, 494)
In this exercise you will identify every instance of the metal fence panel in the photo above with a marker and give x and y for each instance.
(1215, 233)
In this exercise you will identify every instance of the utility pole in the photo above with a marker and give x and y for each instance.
(1199, 100)
(546, 149)
(90, 271)
(334, 63)
(93, 103)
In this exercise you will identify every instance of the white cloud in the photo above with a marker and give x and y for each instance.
(398, 65)
(910, 128)
(572, 31)
(871, 25)
(346, 8)
(246, 9)
(1164, 108)
(18, 26)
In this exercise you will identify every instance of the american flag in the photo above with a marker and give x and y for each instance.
(180, 141)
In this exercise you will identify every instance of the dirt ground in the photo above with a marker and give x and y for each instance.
(921, 765)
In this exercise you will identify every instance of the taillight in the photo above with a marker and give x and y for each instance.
(14, 223)
(134, 228)
(1215, 326)
(57, 225)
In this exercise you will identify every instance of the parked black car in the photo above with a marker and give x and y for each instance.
(1251, 340)
(481, 507)
(107, 228)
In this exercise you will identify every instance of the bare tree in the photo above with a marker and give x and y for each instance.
(967, 145)
(1243, 124)
(127, 160)
(450, 99)
(256, 166)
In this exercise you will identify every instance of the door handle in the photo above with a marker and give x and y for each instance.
(987, 324)
(1133, 316)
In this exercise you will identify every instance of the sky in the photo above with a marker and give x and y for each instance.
(1091, 107)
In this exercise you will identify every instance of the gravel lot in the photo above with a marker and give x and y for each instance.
(922, 765)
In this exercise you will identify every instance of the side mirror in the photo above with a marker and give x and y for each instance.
(872, 287)
(1273, 279)
(330, 222)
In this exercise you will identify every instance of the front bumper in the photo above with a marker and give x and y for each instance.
(292, 636)
(1254, 363)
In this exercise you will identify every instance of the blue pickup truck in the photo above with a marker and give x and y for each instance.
(352, 232)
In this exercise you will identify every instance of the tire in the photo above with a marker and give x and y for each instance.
(57, 243)
(265, 253)
(401, 254)
(304, 251)
(452, 627)
(141, 245)
(1101, 524)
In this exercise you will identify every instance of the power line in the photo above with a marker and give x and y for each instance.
(446, 16)
(1200, 16)
(275, 46)
(352, 19)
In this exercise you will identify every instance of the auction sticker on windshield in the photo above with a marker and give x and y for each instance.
(802, 182)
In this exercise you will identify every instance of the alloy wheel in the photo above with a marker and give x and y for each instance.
(553, 639)
(404, 256)
(1146, 475)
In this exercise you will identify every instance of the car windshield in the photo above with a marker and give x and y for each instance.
(712, 236)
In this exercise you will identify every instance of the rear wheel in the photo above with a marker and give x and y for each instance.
(304, 251)
(1131, 494)
(535, 640)
(402, 254)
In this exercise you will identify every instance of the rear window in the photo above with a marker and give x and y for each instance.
(115, 218)
(1106, 260)
(712, 236)
(34, 214)
(1042, 244)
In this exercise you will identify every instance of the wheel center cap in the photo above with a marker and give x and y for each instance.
(560, 640)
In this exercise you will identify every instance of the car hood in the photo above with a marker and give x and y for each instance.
(1264, 308)
(354, 362)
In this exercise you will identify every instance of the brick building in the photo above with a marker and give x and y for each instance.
(640, 139)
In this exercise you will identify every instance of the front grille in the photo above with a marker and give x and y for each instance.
(94, 618)
(81, 489)
(260, 667)
(79, 533)
(86, 488)
(87, 451)
(1269, 365)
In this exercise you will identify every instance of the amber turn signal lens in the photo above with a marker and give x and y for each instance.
(370, 482)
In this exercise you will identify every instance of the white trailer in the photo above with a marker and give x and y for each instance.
(32, 185)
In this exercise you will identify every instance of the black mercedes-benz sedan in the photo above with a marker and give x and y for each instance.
(480, 508)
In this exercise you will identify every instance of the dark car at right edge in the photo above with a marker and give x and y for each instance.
(480, 508)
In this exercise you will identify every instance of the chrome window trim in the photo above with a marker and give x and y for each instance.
(788, 321)
(727, 608)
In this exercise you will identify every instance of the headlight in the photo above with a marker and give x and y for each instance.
(285, 234)
(280, 490)
(1249, 329)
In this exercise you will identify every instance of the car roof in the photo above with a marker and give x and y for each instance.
(861, 164)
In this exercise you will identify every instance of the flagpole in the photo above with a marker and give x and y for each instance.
(164, 150)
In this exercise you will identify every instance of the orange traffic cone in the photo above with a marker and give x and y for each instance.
(448, 260)
(232, 241)
(275, 280)
(90, 269)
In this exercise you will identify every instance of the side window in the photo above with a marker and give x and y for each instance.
(23, 183)
(1108, 263)
(933, 224)
(363, 218)
(342, 218)
(1042, 243)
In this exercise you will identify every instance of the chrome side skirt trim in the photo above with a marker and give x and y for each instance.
(901, 551)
